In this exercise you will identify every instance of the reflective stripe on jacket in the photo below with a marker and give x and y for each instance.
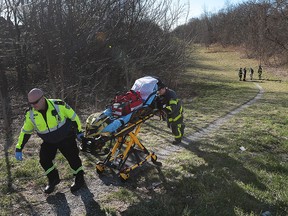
(55, 128)
(173, 107)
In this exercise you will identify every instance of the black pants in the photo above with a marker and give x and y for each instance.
(178, 128)
(68, 147)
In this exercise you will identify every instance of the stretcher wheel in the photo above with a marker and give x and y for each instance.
(100, 167)
(124, 176)
(153, 158)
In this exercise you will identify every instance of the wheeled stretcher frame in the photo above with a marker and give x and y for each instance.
(126, 143)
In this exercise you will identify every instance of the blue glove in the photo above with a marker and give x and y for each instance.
(80, 136)
(18, 156)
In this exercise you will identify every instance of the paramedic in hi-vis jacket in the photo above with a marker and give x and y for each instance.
(168, 101)
(57, 125)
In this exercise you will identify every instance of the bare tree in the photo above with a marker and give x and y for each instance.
(20, 58)
(258, 26)
(93, 48)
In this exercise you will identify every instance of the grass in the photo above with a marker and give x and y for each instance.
(213, 176)
(210, 176)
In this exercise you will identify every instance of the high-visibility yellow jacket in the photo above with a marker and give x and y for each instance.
(55, 126)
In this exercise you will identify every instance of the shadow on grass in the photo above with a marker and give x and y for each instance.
(59, 203)
(215, 187)
(164, 133)
(91, 206)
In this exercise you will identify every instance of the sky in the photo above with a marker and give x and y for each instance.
(197, 7)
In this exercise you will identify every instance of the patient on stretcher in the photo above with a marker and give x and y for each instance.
(125, 109)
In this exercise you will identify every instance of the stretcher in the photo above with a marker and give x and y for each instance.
(121, 132)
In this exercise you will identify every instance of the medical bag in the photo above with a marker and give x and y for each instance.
(124, 104)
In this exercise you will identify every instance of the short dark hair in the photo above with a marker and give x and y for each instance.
(161, 85)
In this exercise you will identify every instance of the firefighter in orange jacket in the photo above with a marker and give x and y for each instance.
(171, 104)
(57, 124)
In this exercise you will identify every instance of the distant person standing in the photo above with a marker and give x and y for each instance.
(240, 73)
(244, 74)
(251, 73)
(260, 72)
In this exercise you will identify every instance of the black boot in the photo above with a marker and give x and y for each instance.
(176, 141)
(53, 180)
(79, 182)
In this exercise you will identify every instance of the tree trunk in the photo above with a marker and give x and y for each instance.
(4, 99)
